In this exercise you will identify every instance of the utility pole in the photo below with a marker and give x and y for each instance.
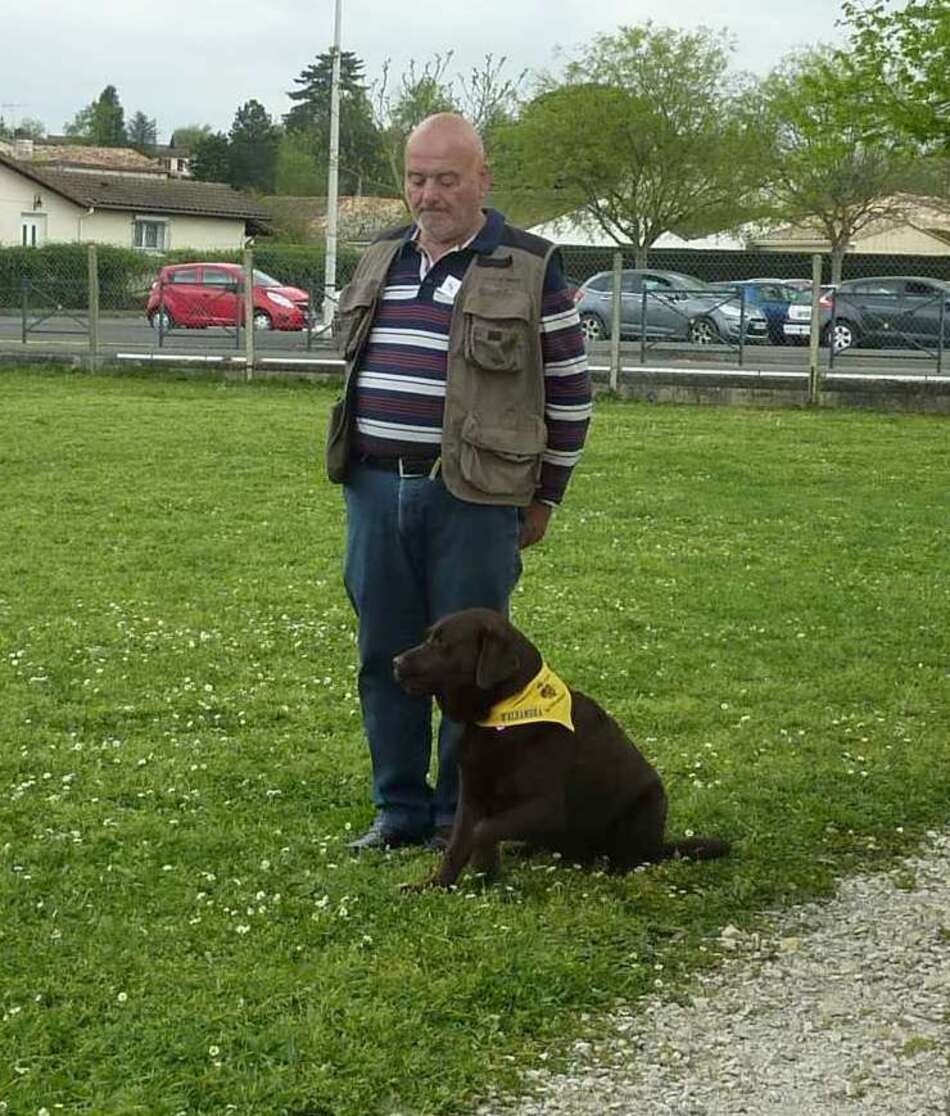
(333, 177)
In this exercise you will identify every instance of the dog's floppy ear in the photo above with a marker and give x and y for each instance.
(497, 660)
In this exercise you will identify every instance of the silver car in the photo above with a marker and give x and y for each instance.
(673, 306)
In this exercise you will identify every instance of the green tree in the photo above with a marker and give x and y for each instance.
(488, 98)
(300, 173)
(142, 132)
(81, 125)
(102, 122)
(900, 62)
(485, 96)
(254, 139)
(419, 93)
(211, 158)
(362, 166)
(648, 133)
(823, 170)
(29, 128)
(189, 134)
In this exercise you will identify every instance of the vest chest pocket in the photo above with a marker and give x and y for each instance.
(354, 316)
(496, 330)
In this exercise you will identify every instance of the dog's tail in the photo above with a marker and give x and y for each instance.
(696, 848)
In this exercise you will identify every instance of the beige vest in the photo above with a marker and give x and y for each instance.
(494, 432)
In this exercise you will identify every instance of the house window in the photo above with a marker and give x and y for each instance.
(150, 234)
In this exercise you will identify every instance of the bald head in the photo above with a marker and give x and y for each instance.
(447, 181)
(446, 131)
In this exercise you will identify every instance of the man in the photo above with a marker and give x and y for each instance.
(465, 407)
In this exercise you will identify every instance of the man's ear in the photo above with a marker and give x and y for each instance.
(497, 660)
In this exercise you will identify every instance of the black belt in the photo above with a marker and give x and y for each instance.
(405, 466)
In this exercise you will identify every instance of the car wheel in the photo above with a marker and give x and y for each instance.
(703, 331)
(161, 319)
(593, 328)
(844, 333)
(262, 320)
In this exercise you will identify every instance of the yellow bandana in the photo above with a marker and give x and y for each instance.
(545, 698)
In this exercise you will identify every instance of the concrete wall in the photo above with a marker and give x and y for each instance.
(931, 396)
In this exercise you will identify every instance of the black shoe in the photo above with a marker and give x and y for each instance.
(380, 837)
(439, 841)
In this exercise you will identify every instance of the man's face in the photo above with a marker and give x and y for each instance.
(446, 183)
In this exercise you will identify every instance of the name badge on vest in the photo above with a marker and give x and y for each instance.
(449, 289)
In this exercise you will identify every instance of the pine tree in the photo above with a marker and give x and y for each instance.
(142, 132)
(102, 122)
(211, 158)
(254, 140)
(362, 164)
(109, 119)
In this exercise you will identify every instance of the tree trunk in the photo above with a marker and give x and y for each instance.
(640, 256)
(838, 249)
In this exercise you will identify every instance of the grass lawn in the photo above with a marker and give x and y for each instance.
(761, 597)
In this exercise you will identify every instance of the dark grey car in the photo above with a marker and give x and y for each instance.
(674, 305)
(901, 310)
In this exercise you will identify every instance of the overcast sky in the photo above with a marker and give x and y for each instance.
(183, 62)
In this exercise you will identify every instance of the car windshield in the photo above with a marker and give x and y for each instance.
(262, 279)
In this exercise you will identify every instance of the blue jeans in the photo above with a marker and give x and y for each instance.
(415, 553)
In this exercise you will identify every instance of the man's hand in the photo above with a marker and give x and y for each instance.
(534, 523)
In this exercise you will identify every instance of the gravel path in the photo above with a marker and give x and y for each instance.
(842, 1009)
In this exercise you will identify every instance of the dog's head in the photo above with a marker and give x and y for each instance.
(468, 662)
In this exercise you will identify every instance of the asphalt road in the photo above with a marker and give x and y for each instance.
(130, 335)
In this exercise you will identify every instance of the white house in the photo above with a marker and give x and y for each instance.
(176, 160)
(149, 212)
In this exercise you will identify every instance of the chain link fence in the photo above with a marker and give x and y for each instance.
(888, 311)
(101, 302)
(717, 308)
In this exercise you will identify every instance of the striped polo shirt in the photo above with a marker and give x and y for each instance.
(400, 386)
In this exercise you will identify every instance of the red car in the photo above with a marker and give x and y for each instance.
(197, 295)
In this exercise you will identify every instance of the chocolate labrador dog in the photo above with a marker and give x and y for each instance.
(539, 763)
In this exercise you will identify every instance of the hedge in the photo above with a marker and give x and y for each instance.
(56, 274)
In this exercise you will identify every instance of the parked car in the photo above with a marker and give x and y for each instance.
(797, 325)
(678, 307)
(902, 310)
(772, 296)
(572, 283)
(196, 295)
